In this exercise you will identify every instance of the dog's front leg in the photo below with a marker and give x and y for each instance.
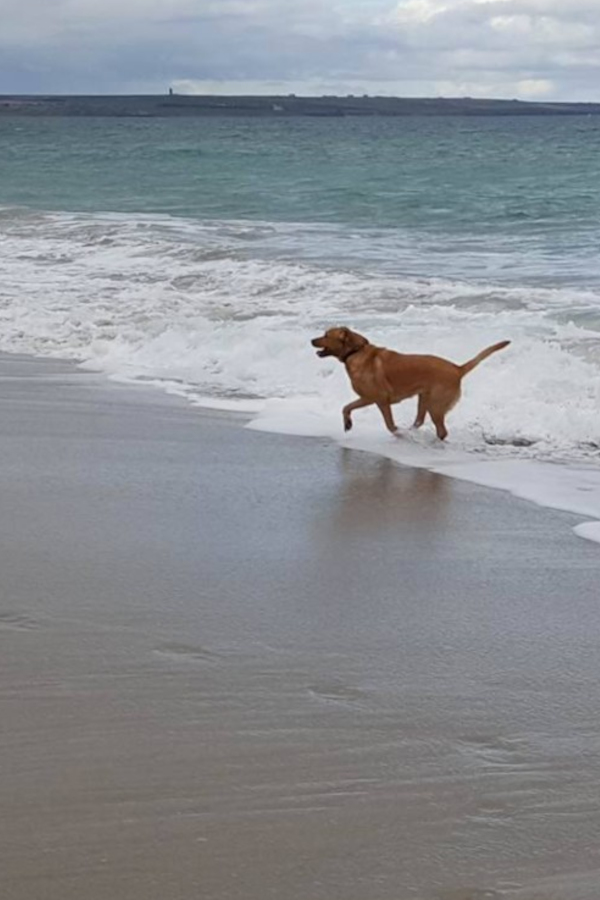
(386, 411)
(349, 409)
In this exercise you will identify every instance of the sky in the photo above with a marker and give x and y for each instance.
(528, 49)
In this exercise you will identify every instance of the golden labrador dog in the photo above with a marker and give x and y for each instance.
(383, 377)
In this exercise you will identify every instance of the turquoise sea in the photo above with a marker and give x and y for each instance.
(490, 175)
(203, 253)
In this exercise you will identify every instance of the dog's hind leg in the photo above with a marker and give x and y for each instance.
(440, 404)
(421, 412)
(440, 425)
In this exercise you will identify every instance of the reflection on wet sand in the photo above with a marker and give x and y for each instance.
(377, 494)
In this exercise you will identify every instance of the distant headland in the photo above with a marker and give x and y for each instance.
(172, 105)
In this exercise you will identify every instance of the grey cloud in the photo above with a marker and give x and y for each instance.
(417, 46)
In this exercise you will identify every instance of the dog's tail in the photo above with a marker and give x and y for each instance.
(468, 366)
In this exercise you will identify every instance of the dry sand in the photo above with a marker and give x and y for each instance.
(237, 666)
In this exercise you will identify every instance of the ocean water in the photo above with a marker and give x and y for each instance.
(203, 254)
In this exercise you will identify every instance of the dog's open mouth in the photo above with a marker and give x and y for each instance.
(322, 351)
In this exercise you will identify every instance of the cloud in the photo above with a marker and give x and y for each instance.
(521, 48)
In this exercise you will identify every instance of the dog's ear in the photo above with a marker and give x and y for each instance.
(354, 340)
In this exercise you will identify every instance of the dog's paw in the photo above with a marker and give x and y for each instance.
(347, 424)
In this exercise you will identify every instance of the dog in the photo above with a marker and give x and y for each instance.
(383, 377)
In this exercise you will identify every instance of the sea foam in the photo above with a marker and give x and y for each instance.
(223, 313)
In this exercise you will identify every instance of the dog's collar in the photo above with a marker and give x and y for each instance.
(349, 354)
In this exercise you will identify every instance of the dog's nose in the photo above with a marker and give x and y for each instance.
(315, 342)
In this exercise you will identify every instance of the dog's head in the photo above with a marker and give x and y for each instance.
(339, 342)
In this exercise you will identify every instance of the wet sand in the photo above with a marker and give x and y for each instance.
(236, 666)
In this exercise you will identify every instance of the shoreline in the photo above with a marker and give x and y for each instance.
(236, 665)
(547, 484)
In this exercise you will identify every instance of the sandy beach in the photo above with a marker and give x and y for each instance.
(237, 666)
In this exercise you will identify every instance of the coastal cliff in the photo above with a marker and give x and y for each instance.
(177, 105)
